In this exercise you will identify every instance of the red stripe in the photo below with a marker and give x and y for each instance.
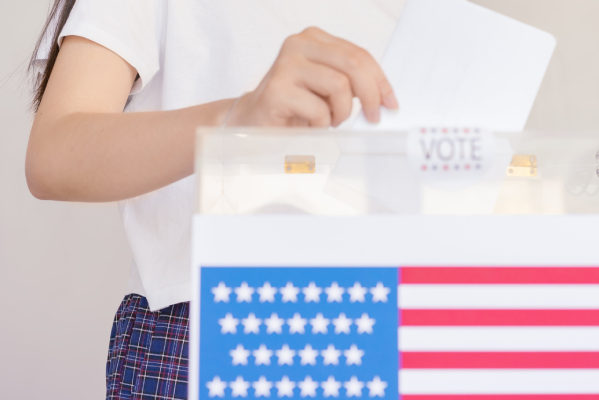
(498, 360)
(499, 397)
(491, 275)
(499, 317)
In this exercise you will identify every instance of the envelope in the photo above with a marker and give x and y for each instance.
(455, 63)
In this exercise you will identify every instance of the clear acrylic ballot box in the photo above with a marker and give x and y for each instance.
(436, 264)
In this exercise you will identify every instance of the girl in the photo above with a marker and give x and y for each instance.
(122, 89)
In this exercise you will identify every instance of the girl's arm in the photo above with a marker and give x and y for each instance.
(84, 148)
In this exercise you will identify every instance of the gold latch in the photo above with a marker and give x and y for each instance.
(523, 166)
(300, 164)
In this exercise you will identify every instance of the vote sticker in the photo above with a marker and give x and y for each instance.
(450, 158)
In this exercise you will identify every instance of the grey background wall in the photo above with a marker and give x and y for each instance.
(63, 266)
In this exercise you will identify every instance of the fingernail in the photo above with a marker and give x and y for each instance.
(390, 101)
(373, 116)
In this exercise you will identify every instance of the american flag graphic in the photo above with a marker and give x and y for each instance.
(473, 333)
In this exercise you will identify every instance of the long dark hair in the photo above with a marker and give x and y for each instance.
(59, 13)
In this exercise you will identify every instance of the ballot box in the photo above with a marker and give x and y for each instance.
(437, 263)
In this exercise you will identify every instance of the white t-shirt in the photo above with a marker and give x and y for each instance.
(189, 52)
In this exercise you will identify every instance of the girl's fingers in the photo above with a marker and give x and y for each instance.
(313, 81)
(387, 96)
(308, 106)
(367, 77)
(330, 84)
(351, 63)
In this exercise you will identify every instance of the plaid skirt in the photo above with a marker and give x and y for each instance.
(148, 353)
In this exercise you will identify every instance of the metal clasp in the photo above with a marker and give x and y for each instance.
(300, 164)
(523, 167)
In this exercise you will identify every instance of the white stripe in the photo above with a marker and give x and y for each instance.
(510, 381)
(499, 296)
(392, 240)
(413, 338)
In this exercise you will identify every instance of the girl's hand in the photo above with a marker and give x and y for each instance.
(312, 83)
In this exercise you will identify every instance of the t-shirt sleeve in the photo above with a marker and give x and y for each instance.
(130, 28)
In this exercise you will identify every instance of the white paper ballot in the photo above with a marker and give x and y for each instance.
(454, 63)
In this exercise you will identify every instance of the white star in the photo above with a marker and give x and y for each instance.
(297, 324)
(353, 387)
(274, 324)
(330, 387)
(379, 293)
(319, 324)
(262, 355)
(221, 293)
(251, 324)
(240, 355)
(244, 293)
(312, 293)
(228, 324)
(357, 293)
(216, 387)
(342, 324)
(267, 293)
(262, 387)
(353, 355)
(308, 355)
(289, 293)
(308, 387)
(377, 387)
(239, 387)
(334, 293)
(331, 355)
(364, 323)
(285, 387)
(285, 355)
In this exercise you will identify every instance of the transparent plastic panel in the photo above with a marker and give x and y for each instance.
(429, 171)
